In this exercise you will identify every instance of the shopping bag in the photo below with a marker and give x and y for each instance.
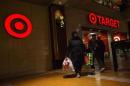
(88, 59)
(68, 65)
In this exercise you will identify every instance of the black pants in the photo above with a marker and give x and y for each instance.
(78, 67)
(99, 59)
(102, 57)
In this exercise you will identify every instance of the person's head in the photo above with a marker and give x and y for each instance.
(74, 34)
(94, 36)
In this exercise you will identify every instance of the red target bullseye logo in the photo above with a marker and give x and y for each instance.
(19, 25)
(92, 18)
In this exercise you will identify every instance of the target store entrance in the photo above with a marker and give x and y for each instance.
(105, 28)
(103, 34)
(107, 36)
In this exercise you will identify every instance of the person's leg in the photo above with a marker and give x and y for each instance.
(102, 58)
(79, 71)
(98, 57)
(78, 67)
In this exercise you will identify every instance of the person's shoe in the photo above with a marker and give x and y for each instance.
(78, 76)
(102, 69)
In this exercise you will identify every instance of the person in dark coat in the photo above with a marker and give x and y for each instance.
(94, 46)
(75, 52)
(101, 49)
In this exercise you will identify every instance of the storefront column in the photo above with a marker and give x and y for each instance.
(110, 48)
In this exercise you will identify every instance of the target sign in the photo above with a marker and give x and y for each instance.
(18, 25)
(93, 18)
(104, 21)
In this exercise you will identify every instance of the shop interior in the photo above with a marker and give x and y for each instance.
(107, 36)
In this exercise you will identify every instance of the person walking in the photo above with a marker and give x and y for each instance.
(101, 49)
(94, 47)
(75, 52)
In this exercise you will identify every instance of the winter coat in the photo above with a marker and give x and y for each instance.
(76, 51)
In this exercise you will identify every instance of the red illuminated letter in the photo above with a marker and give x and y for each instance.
(107, 21)
(118, 23)
(111, 22)
(115, 24)
(103, 21)
(99, 19)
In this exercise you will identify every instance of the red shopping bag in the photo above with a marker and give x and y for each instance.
(86, 59)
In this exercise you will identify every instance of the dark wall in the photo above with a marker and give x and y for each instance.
(58, 34)
(129, 28)
(32, 54)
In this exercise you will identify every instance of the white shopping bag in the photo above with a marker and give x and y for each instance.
(68, 65)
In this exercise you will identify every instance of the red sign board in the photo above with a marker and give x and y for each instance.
(18, 26)
(105, 21)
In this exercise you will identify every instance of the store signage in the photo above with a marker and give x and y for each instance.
(21, 23)
(117, 38)
(105, 21)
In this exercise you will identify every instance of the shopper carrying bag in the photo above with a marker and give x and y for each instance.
(75, 52)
